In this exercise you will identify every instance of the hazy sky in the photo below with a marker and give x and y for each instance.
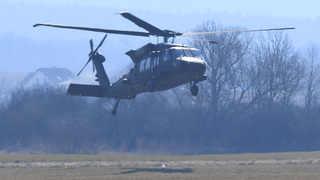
(275, 8)
(27, 48)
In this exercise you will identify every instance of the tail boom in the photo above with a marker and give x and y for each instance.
(88, 90)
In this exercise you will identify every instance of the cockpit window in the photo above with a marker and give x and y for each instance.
(188, 53)
(197, 54)
(176, 53)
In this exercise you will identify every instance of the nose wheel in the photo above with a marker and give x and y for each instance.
(194, 89)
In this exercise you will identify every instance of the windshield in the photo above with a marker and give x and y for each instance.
(176, 53)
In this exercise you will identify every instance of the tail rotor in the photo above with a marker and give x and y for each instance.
(92, 53)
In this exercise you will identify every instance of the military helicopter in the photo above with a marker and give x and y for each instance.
(157, 67)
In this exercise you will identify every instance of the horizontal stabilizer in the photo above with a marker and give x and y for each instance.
(87, 90)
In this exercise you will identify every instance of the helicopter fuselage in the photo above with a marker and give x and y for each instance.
(164, 67)
(161, 71)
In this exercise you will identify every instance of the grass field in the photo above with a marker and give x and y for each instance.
(292, 165)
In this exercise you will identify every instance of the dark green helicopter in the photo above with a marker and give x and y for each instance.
(157, 67)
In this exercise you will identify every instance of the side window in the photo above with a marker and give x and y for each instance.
(152, 59)
(167, 56)
(161, 58)
(147, 63)
(156, 61)
(142, 65)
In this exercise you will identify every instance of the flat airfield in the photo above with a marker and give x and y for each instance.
(288, 165)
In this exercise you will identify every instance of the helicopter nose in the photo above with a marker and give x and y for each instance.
(197, 67)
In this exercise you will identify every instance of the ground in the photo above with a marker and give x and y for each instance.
(294, 165)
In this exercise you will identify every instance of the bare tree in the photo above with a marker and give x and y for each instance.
(312, 85)
(225, 65)
(276, 71)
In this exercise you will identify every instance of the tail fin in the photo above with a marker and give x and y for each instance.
(101, 75)
(93, 90)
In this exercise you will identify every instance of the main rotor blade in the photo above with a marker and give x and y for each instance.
(141, 23)
(203, 40)
(134, 33)
(219, 32)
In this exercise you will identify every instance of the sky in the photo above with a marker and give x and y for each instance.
(274, 8)
(26, 48)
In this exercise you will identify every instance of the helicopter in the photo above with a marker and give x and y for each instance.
(157, 67)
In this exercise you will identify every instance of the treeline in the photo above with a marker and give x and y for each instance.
(261, 95)
(45, 120)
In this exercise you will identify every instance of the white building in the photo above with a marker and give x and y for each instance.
(51, 76)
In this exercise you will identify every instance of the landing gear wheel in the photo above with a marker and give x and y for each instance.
(114, 112)
(194, 90)
(115, 108)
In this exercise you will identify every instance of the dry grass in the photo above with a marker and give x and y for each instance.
(296, 165)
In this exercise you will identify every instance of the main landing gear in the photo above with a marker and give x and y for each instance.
(115, 108)
(194, 88)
